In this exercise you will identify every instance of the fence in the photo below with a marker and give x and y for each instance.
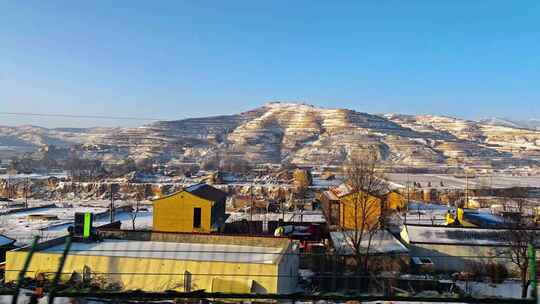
(102, 272)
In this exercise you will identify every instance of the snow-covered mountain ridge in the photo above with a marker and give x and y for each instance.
(301, 134)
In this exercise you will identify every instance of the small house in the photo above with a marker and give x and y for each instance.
(342, 204)
(198, 208)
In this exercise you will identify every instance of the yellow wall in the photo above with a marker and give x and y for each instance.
(395, 201)
(169, 274)
(348, 211)
(174, 213)
(451, 219)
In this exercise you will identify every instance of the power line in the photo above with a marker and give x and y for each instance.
(79, 116)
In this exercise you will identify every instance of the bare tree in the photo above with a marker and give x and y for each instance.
(135, 207)
(365, 176)
(518, 240)
(519, 235)
(81, 170)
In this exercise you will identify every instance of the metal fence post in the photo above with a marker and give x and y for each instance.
(532, 270)
(59, 270)
(24, 270)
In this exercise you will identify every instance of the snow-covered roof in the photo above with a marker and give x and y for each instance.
(315, 216)
(207, 192)
(342, 190)
(331, 195)
(175, 251)
(383, 242)
(448, 235)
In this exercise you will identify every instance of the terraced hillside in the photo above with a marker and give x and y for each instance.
(298, 133)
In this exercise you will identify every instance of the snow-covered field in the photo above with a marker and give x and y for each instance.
(507, 289)
(32, 176)
(51, 222)
(297, 216)
(450, 181)
(427, 214)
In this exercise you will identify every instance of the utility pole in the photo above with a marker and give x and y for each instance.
(531, 255)
(26, 192)
(408, 191)
(111, 208)
(408, 195)
(8, 187)
(466, 190)
(282, 209)
(290, 204)
(251, 207)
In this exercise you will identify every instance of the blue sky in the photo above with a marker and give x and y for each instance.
(176, 59)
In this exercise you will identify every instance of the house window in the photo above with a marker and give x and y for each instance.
(196, 217)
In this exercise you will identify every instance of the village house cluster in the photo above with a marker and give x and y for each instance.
(330, 239)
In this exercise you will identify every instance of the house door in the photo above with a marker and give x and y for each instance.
(196, 217)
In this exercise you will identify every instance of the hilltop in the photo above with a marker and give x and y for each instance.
(297, 133)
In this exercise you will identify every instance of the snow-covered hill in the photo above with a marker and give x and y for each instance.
(301, 134)
(533, 124)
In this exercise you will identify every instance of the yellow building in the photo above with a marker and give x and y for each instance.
(395, 201)
(157, 261)
(360, 207)
(342, 204)
(198, 208)
(458, 219)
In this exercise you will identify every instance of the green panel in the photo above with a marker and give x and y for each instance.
(532, 268)
(87, 224)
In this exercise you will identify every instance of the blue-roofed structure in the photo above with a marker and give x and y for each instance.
(485, 220)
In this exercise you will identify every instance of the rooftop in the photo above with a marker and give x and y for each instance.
(4, 240)
(383, 242)
(174, 251)
(315, 216)
(207, 192)
(342, 190)
(177, 246)
(331, 195)
(202, 190)
(444, 235)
